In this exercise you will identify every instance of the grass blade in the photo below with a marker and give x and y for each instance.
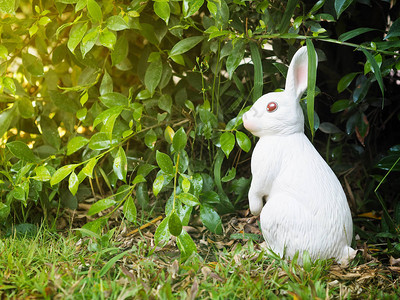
(312, 77)
(386, 215)
(111, 262)
(287, 15)
(377, 71)
(258, 71)
(353, 33)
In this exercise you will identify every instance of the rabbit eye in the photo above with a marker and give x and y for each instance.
(272, 106)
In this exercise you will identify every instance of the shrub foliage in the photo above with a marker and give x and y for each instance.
(123, 98)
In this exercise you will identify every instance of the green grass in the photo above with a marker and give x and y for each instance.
(51, 266)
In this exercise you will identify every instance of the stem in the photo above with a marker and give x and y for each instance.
(322, 39)
(175, 180)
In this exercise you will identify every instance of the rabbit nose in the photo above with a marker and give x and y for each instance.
(248, 121)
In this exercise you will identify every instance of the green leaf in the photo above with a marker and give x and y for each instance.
(362, 86)
(169, 134)
(243, 141)
(108, 126)
(43, 21)
(162, 233)
(100, 141)
(185, 45)
(185, 185)
(107, 39)
(7, 6)
(340, 105)
(353, 33)
(100, 206)
(394, 30)
(164, 162)
(3, 52)
(185, 245)
(389, 162)
(158, 184)
(61, 173)
(89, 40)
(312, 78)
(130, 210)
(287, 15)
(42, 174)
(81, 114)
(165, 103)
(106, 85)
(283, 69)
(138, 179)
(94, 11)
(9, 84)
(345, 81)
(150, 139)
(22, 151)
(227, 141)
(76, 35)
(174, 224)
(367, 65)
(107, 114)
(4, 211)
(178, 59)
(211, 219)
(316, 7)
(26, 108)
(327, 127)
(191, 7)
(19, 194)
(352, 122)
(341, 6)
(153, 75)
(88, 169)
(179, 140)
(162, 10)
(73, 183)
(188, 199)
(212, 7)
(112, 262)
(116, 23)
(375, 68)
(235, 57)
(76, 143)
(6, 117)
(229, 175)
(32, 64)
(114, 99)
(258, 71)
(50, 132)
(120, 165)
(197, 183)
(120, 51)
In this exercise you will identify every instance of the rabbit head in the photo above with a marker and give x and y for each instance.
(280, 112)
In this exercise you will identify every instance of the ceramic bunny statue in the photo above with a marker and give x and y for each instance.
(306, 208)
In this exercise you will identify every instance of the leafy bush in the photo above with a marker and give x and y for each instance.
(116, 98)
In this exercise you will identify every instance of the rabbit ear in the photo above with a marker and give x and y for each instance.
(297, 76)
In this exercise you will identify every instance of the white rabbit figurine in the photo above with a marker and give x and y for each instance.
(306, 208)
